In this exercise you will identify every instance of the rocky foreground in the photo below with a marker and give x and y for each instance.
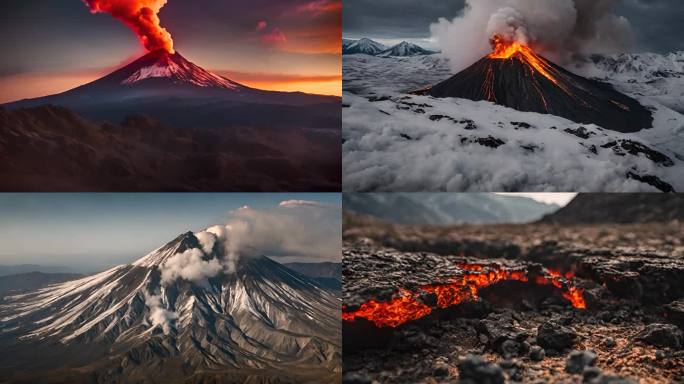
(631, 277)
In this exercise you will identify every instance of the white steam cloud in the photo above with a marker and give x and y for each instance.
(191, 266)
(159, 316)
(305, 230)
(558, 29)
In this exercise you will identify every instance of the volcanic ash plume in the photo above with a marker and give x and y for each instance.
(557, 28)
(294, 228)
(141, 16)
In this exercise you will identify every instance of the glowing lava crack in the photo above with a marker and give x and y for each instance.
(407, 305)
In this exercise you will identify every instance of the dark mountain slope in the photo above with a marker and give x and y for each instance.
(598, 208)
(527, 82)
(179, 93)
(142, 154)
(446, 208)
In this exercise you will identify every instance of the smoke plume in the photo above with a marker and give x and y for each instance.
(142, 16)
(559, 29)
(191, 266)
(159, 316)
(295, 228)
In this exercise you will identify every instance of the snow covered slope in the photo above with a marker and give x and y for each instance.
(161, 64)
(396, 141)
(179, 306)
(659, 77)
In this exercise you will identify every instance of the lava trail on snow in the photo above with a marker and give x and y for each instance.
(515, 76)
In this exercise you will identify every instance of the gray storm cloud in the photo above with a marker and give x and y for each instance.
(558, 29)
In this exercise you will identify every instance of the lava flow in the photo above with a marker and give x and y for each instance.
(503, 49)
(407, 306)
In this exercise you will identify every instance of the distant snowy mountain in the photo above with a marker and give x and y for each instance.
(172, 315)
(446, 208)
(405, 49)
(363, 46)
(346, 43)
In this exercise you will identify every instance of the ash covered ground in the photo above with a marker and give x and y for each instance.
(630, 276)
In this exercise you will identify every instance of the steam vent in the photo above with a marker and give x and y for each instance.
(513, 75)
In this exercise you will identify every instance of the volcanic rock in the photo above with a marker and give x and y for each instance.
(610, 379)
(355, 378)
(590, 374)
(537, 353)
(440, 369)
(578, 360)
(624, 285)
(675, 312)
(514, 369)
(552, 335)
(528, 82)
(501, 333)
(609, 342)
(662, 335)
(475, 370)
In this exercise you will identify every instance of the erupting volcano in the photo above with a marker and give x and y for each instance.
(515, 76)
(408, 305)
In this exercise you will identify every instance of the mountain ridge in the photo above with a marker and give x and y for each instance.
(177, 92)
(446, 208)
(134, 319)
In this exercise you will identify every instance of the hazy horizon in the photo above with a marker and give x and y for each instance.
(78, 231)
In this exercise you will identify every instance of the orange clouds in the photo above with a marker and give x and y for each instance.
(319, 84)
(321, 6)
(274, 36)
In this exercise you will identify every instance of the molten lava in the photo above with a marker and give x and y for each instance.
(142, 16)
(407, 306)
(502, 49)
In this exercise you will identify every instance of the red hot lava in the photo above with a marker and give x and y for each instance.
(408, 307)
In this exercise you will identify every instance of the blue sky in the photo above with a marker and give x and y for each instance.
(91, 231)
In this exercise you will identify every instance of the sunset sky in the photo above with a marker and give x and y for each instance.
(53, 46)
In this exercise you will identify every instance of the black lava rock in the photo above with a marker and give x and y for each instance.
(355, 378)
(579, 360)
(440, 369)
(675, 312)
(609, 342)
(590, 374)
(475, 370)
(537, 353)
(552, 335)
(662, 335)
